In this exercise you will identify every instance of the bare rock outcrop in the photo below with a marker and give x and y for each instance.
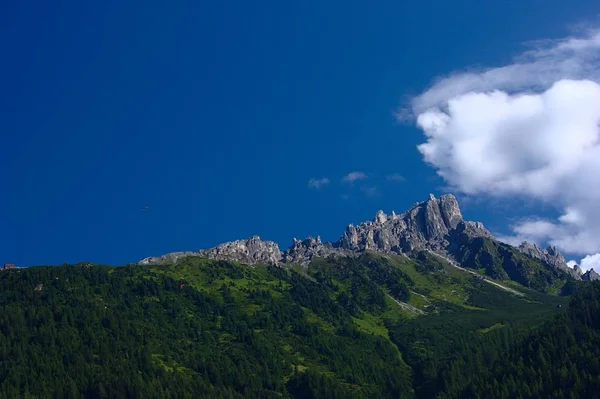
(434, 225)
(425, 226)
(250, 251)
(167, 258)
(590, 275)
(550, 256)
(303, 251)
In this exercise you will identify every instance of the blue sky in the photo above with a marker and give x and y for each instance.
(216, 115)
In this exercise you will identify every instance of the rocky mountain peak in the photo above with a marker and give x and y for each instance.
(424, 226)
(380, 217)
(590, 275)
(550, 256)
(529, 248)
(167, 258)
(303, 251)
(250, 251)
(472, 229)
(555, 256)
(435, 225)
(450, 210)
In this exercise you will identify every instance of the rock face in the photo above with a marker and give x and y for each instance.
(577, 270)
(168, 258)
(434, 225)
(303, 251)
(550, 256)
(250, 251)
(590, 275)
(426, 226)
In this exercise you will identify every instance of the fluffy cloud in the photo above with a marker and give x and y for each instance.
(529, 129)
(318, 183)
(591, 262)
(353, 177)
(530, 144)
(550, 61)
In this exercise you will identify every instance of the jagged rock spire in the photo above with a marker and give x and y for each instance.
(427, 225)
(380, 217)
(424, 226)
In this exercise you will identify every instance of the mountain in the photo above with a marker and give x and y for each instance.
(590, 275)
(560, 359)
(421, 304)
(362, 326)
(426, 226)
(200, 327)
(435, 225)
(550, 256)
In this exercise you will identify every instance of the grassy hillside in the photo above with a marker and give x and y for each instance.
(503, 262)
(373, 326)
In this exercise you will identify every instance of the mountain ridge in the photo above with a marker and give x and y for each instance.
(421, 227)
(435, 225)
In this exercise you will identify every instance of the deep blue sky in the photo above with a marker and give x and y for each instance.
(215, 114)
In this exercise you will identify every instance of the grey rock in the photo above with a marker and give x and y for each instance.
(250, 251)
(550, 256)
(434, 225)
(425, 226)
(380, 217)
(450, 210)
(302, 252)
(166, 259)
(577, 270)
(590, 275)
(474, 229)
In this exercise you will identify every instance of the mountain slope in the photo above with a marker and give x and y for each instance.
(503, 262)
(218, 329)
(560, 360)
(435, 225)
(229, 331)
(403, 306)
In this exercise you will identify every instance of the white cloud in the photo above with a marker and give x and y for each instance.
(318, 183)
(591, 262)
(395, 177)
(353, 177)
(515, 144)
(540, 68)
(530, 130)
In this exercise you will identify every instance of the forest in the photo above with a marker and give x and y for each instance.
(366, 327)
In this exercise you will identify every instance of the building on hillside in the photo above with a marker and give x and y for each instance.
(8, 266)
